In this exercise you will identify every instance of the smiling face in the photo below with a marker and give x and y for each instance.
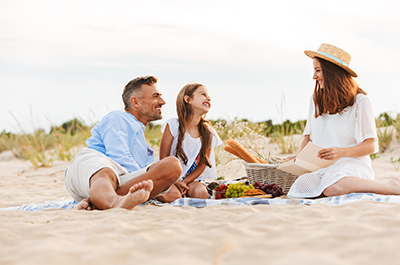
(318, 73)
(150, 103)
(200, 101)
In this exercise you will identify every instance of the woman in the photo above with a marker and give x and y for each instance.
(341, 120)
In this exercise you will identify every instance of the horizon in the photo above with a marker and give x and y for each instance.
(159, 123)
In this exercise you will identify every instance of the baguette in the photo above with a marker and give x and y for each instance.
(242, 153)
(231, 150)
(254, 192)
(261, 161)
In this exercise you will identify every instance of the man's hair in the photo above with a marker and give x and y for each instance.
(134, 87)
(339, 92)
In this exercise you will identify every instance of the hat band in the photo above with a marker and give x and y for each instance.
(334, 58)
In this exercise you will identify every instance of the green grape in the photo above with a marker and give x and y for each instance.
(237, 190)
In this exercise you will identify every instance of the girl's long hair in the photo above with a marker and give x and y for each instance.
(185, 114)
(340, 90)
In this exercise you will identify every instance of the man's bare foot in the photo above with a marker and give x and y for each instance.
(395, 186)
(138, 194)
(83, 205)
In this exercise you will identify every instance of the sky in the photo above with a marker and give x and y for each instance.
(61, 60)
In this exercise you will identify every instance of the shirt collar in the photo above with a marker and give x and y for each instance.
(140, 123)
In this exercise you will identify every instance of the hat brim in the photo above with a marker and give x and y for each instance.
(313, 54)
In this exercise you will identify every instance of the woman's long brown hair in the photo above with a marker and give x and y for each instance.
(185, 114)
(340, 90)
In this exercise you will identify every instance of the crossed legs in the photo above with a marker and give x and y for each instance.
(105, 194)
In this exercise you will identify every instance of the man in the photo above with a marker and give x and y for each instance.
(113, 171)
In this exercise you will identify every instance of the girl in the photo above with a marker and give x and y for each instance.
(341, 120)
(191, 139)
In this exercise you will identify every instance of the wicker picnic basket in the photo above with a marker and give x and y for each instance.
(269, 173)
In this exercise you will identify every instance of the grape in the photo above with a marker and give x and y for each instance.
(236, 190)
(272, 188)
(233, 190)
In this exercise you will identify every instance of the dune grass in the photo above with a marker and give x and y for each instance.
(396, 163)
(42, 148)
(264, 139)
(250, 135)
(253, 137)
(61, 143)
(396, 126)
(387, 127)
(282, 136)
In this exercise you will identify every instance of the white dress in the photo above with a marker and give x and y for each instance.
(349, 128)
(191, 146)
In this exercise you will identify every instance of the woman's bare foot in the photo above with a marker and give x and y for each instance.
(138, 194)
(395, 185)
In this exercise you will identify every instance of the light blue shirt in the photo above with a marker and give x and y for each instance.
(120, 136)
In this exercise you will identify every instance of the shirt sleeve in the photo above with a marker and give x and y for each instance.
(173, 126)
(216, 140)
(365, 121)
(307, 130)
(118, 135)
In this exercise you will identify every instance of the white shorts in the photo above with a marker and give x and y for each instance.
(85, 164)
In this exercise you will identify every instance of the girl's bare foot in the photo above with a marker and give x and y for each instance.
(138, 194)
(83, 205)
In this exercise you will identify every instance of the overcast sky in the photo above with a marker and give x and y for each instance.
(65, 59)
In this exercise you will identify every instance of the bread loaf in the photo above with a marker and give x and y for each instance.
(241, 152)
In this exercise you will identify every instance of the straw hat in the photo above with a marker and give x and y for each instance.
(334, 55)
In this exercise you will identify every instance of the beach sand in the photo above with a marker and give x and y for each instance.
(355, 233)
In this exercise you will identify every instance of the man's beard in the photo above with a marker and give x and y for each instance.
(154, 116)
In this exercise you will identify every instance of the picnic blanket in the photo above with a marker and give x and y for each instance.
(200, 203)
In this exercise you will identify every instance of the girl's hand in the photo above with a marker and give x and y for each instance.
(182, 187)
(333, 153)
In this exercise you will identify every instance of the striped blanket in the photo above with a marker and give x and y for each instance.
(200, 203)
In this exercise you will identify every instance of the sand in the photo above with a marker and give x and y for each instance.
(356, 233)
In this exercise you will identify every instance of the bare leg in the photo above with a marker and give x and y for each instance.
(197, 190)
(172, 195)
(354, 184)
(102, 191)
(163, 173)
